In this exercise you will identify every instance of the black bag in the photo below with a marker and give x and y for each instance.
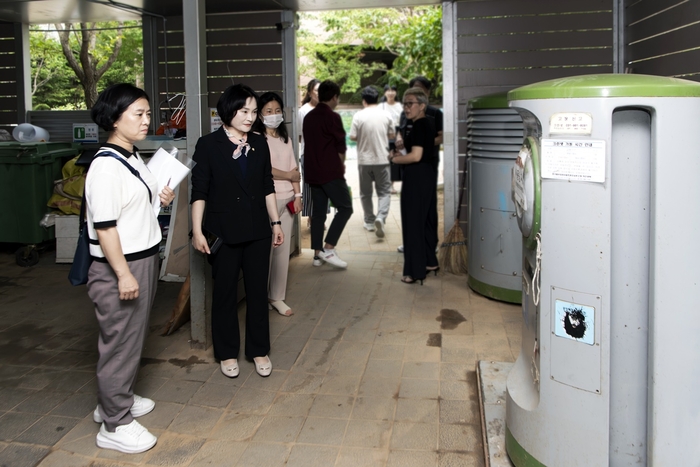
(82, 260)
(213, 241)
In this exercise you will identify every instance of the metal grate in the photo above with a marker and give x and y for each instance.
(663, 38)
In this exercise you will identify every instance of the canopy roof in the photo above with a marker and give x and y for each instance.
(74, 11)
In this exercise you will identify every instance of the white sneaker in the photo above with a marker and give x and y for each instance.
(141, 407)
(369, 227)
(379, 225)
(399, 248)
(317, 261)
(130, 439)
(332, 258)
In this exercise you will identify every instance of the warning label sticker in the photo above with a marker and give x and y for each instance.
(571, 123)
(574, 321)
(574, 160)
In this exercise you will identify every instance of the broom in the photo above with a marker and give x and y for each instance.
(453, 250)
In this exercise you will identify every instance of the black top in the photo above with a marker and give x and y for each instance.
(432, 113)
(235, 203)
(421, 133)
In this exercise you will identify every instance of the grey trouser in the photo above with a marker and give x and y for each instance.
(381, 176)
(123, 329)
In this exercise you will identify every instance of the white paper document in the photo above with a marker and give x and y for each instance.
(168, 170)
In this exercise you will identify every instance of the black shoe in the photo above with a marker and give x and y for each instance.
(410, 280)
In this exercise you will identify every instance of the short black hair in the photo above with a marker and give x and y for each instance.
(328, 90)
(422, 80)
(370, 95)
(234, 98)
(259, 126)
(390, 86)
(112, 102)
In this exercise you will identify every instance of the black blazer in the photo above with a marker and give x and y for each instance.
(235, 206)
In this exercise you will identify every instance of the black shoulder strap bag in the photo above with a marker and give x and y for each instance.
(82, 260)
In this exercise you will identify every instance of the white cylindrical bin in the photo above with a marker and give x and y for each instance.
(28, 133)
(610, 356)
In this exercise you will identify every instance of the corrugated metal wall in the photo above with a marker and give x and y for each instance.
(10, 61)
(241, 48)
(663, 37)
(503, 44)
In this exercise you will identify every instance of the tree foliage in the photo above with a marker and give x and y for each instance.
(70, 67)
(53, 84)
(412, 35)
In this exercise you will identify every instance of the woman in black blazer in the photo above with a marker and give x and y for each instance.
(232, 183)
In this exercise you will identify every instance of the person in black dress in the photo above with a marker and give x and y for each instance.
(419, 190)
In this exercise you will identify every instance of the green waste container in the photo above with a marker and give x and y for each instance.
(27, 173)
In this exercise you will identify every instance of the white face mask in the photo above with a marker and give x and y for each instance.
(273, 121)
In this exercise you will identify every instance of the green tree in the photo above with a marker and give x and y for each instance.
(128, 67)
(89, 54)
(55, 81)
(413, 35)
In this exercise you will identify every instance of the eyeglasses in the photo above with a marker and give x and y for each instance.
(410, 104)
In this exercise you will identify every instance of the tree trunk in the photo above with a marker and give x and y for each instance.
(85, 66)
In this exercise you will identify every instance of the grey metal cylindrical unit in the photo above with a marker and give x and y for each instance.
(610, 355)
(494, 134)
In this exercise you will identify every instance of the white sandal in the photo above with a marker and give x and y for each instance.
(281, 308)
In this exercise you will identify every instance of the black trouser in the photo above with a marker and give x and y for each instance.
(337, 191)
(418, 198)
(253, 258)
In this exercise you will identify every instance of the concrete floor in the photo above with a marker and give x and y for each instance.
(368, 372)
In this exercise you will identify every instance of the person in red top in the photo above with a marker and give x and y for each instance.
(324, 171)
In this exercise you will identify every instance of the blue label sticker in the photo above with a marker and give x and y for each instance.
(574, 321)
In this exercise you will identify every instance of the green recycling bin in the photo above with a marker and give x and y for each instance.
(27, 173)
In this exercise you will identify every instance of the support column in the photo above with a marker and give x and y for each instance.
(291, 96)
(450, 113)
(194, 32)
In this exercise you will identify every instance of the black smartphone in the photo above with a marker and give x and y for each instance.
(392, 145)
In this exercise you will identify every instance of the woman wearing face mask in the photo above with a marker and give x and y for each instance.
(284, 167)
(232, 182)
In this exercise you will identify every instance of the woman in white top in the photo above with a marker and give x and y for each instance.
(394, 108)
(309, 102)
(389, 104)
(124, 241)
(286, 176)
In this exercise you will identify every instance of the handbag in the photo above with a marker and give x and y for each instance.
(82, 260)
(78, 274)
(290, 206)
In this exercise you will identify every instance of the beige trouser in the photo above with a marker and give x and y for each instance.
(279, 257)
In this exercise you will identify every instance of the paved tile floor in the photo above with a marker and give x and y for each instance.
(368, 372)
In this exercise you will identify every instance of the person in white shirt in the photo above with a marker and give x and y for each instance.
(307, 105)
(372, 128)
(389, 104)
(124, 242)
(395, 109)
